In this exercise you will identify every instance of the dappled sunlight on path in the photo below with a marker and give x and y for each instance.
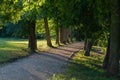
(67, 50)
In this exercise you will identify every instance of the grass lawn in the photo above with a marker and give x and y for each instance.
(84, 68)
(11, 49)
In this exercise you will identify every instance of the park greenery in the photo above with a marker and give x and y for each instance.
(96, 22)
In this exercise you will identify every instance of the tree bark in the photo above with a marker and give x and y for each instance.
(78, 34)
(71, 35)
(88, 47)
(61, 37)
(85, 43)
(47, 32)
(66, 38)
(64, 35)
(57, 35)
(106, 59)
(32, 44)
(113, 68)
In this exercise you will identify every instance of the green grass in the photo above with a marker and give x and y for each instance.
(99, 49)
(84, 68)
(11, 49)
(42, 45)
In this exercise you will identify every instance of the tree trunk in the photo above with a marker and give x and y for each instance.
(78, 34)
(47, 32)
(85, 43)
(106, 59)
(57, 35)
(32, 45)
(61, 34)
(88, 47)
(65, 35)
(113, 67)
(67, 38)
(70, 34)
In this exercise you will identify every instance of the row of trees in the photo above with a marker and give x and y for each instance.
(91, 18)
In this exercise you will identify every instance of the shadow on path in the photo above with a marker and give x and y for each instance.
(67, 50)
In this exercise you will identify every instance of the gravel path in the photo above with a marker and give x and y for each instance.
(37, 66)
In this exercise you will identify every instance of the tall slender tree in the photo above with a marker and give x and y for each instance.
(47, 32)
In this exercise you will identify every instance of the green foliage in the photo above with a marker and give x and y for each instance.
(10, 10)
(19, 30)
(90, 13)
(40, 30)
(103, 40)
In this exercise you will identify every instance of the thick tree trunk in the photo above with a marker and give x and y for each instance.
(32, 45)
(47, 32)
(113, 67)
(88, 47)
(106, 59)
(57, 35)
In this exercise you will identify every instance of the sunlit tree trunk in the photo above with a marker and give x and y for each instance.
(47, 32)
(32, 44)
(113, 67)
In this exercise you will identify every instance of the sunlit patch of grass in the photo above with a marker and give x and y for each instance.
(101, 50)
(11, 49)
(42, 45)
(84, 68)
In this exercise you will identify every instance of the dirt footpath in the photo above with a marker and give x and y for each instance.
(67, 50)
(39, 66)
